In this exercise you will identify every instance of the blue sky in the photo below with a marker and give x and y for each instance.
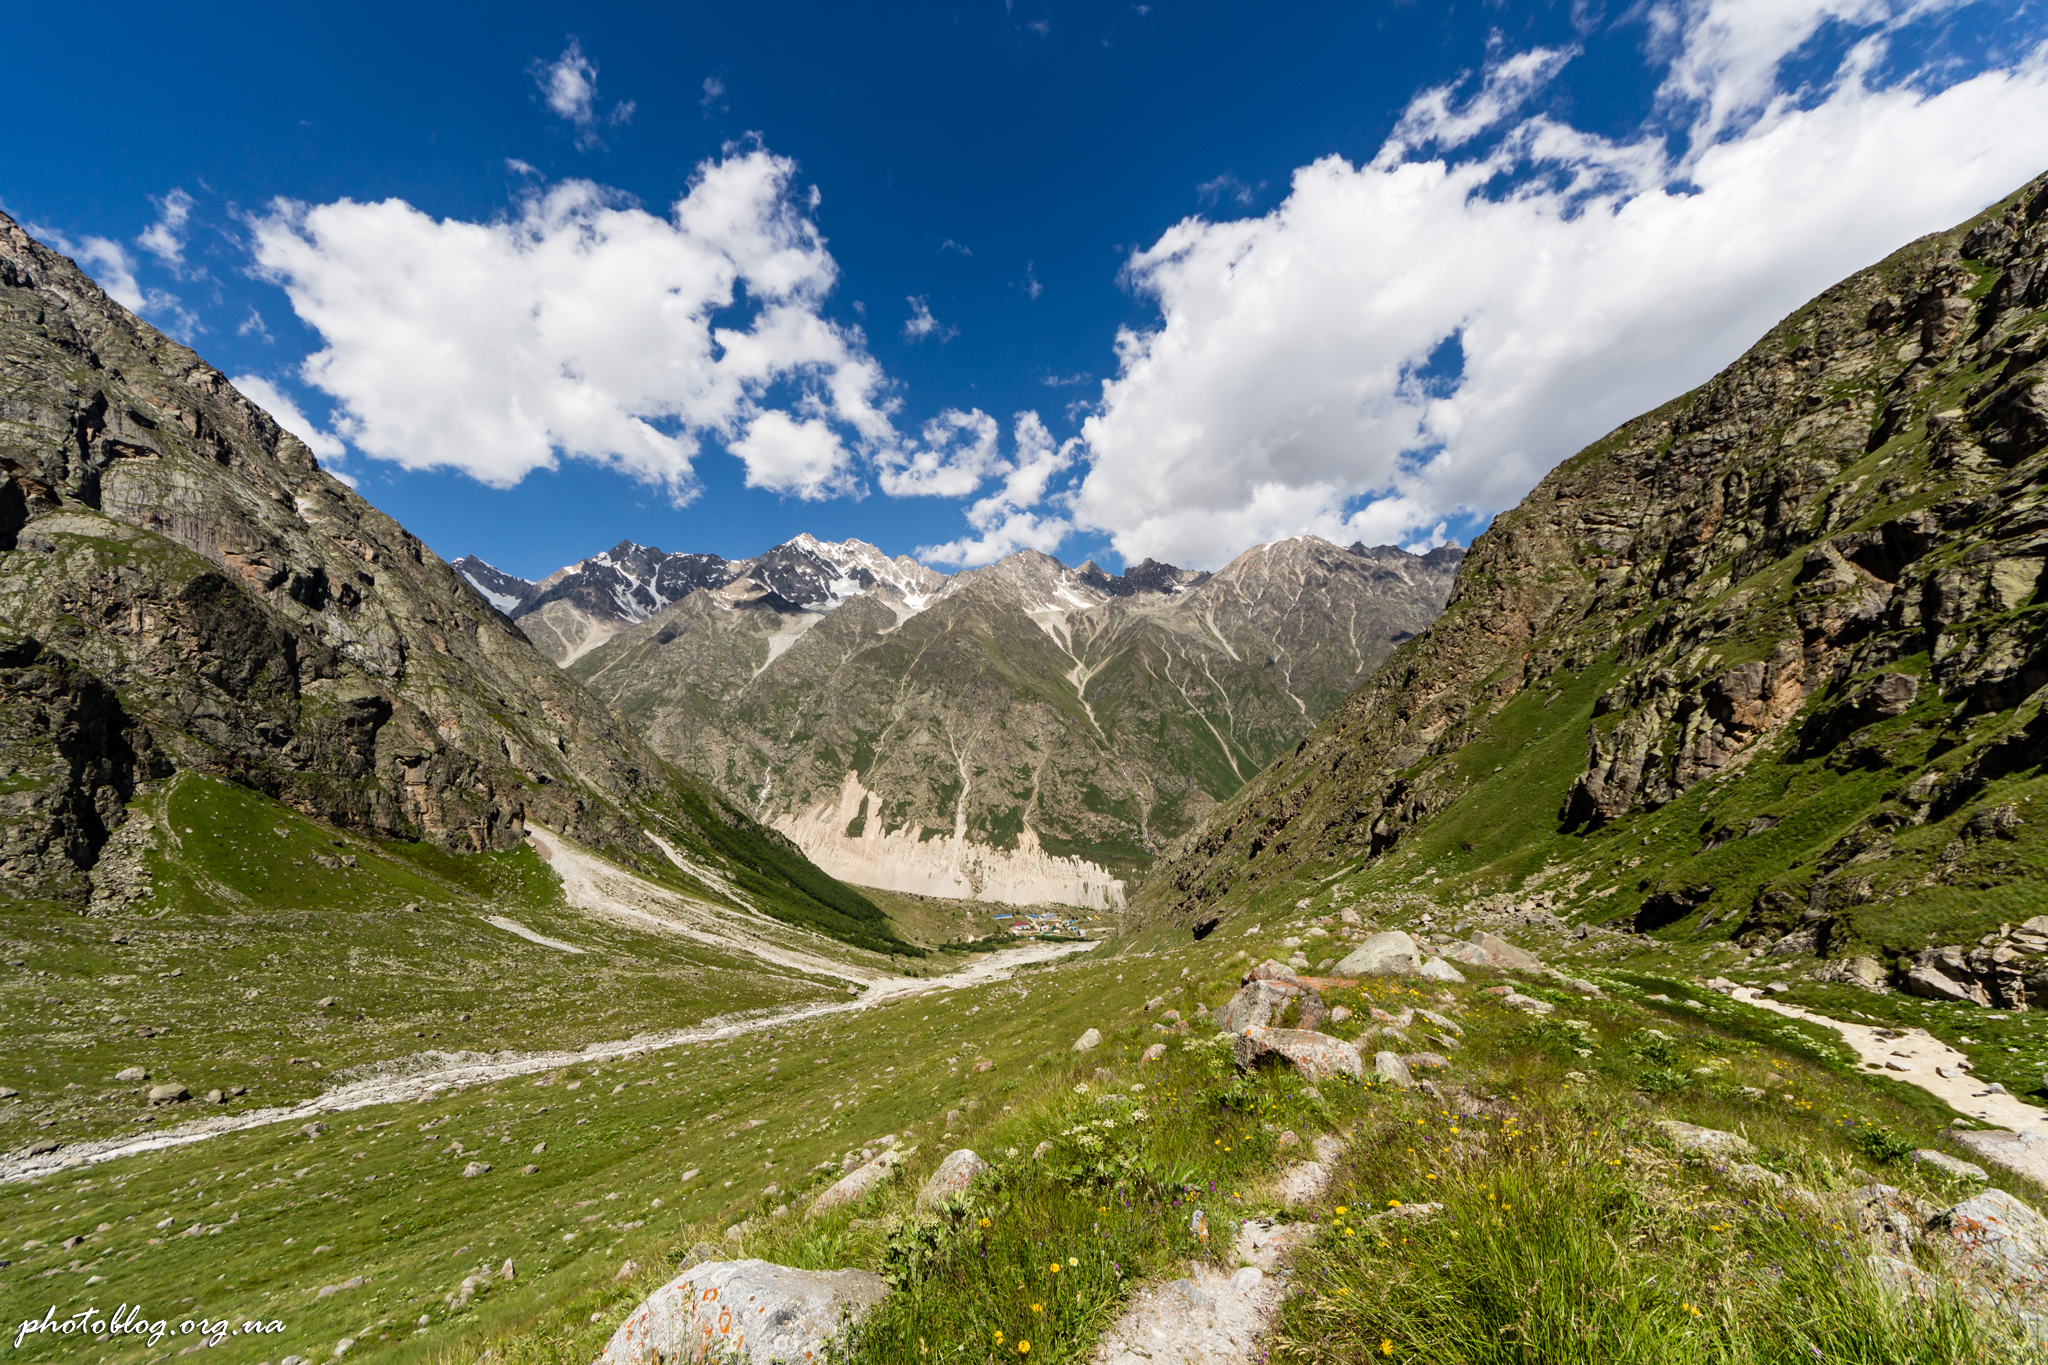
(1108, 280)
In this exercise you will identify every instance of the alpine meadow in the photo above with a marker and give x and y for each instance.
(1464, 790)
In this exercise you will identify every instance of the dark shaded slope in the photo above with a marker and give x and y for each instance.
(187, 590)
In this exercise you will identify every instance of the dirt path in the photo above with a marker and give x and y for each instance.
(462, 1070)
(1919, 1058)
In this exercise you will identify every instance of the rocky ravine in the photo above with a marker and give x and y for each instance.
(1021, 733)
(1787, 628)
(182, 587)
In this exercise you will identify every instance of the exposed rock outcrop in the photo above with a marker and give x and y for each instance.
(183, 588)
(1829, 554)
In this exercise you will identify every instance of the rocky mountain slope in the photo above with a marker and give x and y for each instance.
(182, 589)
(1022, 733)
(575, 609)
(1763, 664)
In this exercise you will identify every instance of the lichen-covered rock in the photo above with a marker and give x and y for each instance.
(1390, 1066)
(751, 1311)
(1996, 1233)
(955, 1176)
(1317, 1056)
(1088, 1041)
(1257, 1002)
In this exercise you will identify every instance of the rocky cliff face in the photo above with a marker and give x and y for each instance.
(1022, 733)
(1762, 662)
(182, 587)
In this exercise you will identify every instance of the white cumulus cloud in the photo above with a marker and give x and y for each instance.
(921, 324)
(165, 238)
(1004, 519)
(583, 325)
(569, 86)
(1287, 386)
(957, 456)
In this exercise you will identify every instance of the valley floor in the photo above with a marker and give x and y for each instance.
(600, 1176)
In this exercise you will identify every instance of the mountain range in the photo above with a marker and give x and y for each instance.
(1024, 732)
(484, 935)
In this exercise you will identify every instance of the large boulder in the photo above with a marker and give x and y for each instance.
(1317, 1056)
(955, 1174)
(1505, 955)
(1999, 1235)
(1258, 1002)
(751, 1311)
(1931, 983)
(1390, 954)
(855, 1186)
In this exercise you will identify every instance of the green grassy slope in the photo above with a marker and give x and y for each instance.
(220, 985)
(1654, 696)
(648, 1155)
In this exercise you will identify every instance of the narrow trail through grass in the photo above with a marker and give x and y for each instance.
(481, 1070)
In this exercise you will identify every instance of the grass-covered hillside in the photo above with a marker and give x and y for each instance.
(1569, 1228)
(1762, 666)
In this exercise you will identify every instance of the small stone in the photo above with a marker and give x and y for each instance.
(216, 1097)
(529, 1169)
(132, 1073)
(1388, 1066)
(1288, 1138)
(475, 1169)
(1950, 1166)
(168, 1094)
(1156, 1002)
(1436, 969)
(1040, 1152)
(627, 1271)
(1088, 1041)
(327, 1003)
(539, 1148)
(984, 1065)
(1690, 1137)
(1429, 1061)
(1153, 1053)
(1247, 1279)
